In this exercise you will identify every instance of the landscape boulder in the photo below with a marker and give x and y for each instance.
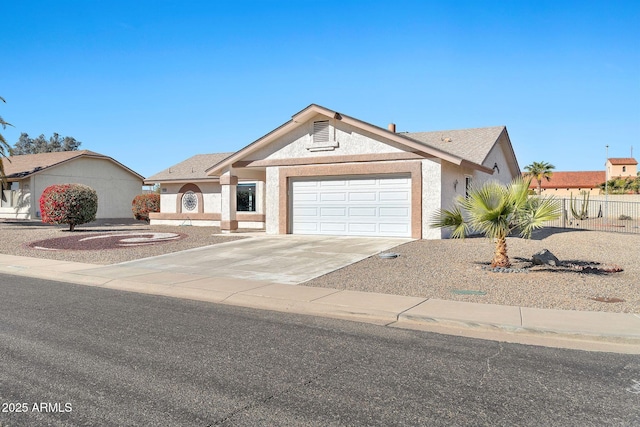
(545, 257)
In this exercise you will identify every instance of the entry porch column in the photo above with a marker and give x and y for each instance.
(228, 193)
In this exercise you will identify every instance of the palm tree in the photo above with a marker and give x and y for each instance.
(496, 210)
(4, 148)
(540, 171)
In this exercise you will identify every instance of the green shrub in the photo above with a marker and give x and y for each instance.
(71, 204)
(624, 217)
(143, 204)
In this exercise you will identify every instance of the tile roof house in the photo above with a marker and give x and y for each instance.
(621, 167)
(324, 172)
(28, 175)
(567, 183)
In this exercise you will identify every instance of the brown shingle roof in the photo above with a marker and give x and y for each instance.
(587, 179)
(470, 144)
(190, 169)
(623, 161)
(29, 164)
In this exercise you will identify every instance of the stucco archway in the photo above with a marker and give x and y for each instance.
(182, 203)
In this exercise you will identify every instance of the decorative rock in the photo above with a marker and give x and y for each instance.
(545, 257)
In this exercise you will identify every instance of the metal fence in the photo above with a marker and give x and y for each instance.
(602, 215)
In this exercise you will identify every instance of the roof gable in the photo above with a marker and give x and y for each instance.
(470, 144)
(30, 164)
(429, 144)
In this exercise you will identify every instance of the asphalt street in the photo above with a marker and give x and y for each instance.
(76, 355)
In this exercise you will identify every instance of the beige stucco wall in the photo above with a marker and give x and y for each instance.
(211, 195)
(116, 187)
(504, 173)
(616, 170)
(272, 209)
(349, 141)
(431, 197)
(566, 192)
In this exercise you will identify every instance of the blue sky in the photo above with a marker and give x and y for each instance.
(151, 83)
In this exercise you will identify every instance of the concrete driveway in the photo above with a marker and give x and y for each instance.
(287, 259)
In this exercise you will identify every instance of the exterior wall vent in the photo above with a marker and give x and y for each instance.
(321, 132)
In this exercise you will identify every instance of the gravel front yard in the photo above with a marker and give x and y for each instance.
(435, 268)
(425, 268)
(16, 235)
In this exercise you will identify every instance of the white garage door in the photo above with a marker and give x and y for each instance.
(352, 206)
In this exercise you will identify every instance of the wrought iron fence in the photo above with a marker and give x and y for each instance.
(601, 214)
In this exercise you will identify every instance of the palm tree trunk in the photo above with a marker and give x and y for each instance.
(500, 258)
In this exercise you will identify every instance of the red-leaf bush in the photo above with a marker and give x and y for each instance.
(71, 204)
(143, 204)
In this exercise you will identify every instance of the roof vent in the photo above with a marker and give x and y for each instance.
(447, 139)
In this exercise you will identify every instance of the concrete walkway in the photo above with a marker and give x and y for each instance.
(259, 273)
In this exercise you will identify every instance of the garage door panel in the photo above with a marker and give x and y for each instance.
(332, 183)
(385, 212)
(333, 197)
(307, 227)
(395, 182)
(394, 228)
(387, 196)
(370, 206)
(360, 183)
(328, 211)
(308, 197)
(365, 196)
(333, 227)
(363, 211)
(367, 228)
(304, 212)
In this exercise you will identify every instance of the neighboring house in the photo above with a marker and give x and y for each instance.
(28, 175)
(621, 167)
(324, 172)
(564, 184)
(201, 206)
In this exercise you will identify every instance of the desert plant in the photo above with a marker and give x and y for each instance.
(143, 204)
(584, 208)
(71, 204)
(496, 210)
(624, 217)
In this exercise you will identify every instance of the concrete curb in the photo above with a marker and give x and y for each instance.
(375, 308)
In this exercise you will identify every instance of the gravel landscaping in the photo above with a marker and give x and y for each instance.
(17, 235)
(442, 268)
(445, 269)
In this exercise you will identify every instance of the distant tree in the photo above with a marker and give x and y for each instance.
(27, 145)
(539, 171)
(622, 185)
(4, 148)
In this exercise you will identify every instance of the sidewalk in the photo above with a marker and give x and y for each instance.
(598, 331)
